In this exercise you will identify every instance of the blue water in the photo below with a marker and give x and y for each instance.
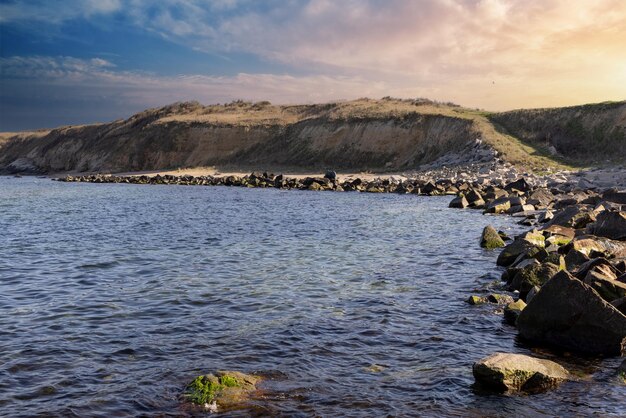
(113, 297)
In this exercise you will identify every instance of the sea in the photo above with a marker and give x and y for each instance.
(114, 296)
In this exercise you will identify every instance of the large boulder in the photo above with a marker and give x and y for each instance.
(610, 224)
(517, 372)
(569, 314)
(222, 390)
(540, 198)
(491, 239)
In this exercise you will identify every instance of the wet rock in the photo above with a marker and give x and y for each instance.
(569, 314)
(476, 300)
(517, 372)
(225, 389)
(513, 310)
(475, 199)
(491, 238)
(499, 299)
(534, 275)
(459, 202)
(610, 224)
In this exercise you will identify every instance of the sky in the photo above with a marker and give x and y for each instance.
(73, 62)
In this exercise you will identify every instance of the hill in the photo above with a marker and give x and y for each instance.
(365, 134)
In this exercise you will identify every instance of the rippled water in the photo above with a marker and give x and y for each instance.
(112, 297)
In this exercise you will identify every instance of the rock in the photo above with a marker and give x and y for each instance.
(575, 216)
(459, 202)
(540, 198)
(563, 235)
(610, 289)
(499, 205)
(531, 293)
(331, 175)
(314, 186)
(620, 304)
(499, 299)
(227, 389)
(569, 314)
(476, 300)
(517, 372)
(475, 199)
(610, 224)
(519, 185)
(513, 310)
(491, 238)
(521, 209)
(574, 258)
(522, 246)
(612, 195)
(535, 275)
(593, 246)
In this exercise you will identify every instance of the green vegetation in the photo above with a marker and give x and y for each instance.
(204, 389)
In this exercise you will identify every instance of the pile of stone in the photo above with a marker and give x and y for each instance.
(569, 271)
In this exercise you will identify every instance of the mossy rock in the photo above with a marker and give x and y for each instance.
(227, 389)
(516, 372)
(476, 300)
(491, 239)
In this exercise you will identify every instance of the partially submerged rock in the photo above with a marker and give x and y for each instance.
(570, 314)
(513, 311)
(225, 389)
(491, 239)
(517, 372)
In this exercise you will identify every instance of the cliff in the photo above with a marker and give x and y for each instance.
(375, 135)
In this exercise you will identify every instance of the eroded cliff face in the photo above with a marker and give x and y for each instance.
(376, 135)
(316, 143)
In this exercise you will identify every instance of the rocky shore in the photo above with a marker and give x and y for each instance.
(563, 281)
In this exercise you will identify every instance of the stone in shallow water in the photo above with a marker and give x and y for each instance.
(491, 239)
(517, 372)
(223, 390)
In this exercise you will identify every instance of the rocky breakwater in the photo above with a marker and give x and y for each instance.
(567, 273)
